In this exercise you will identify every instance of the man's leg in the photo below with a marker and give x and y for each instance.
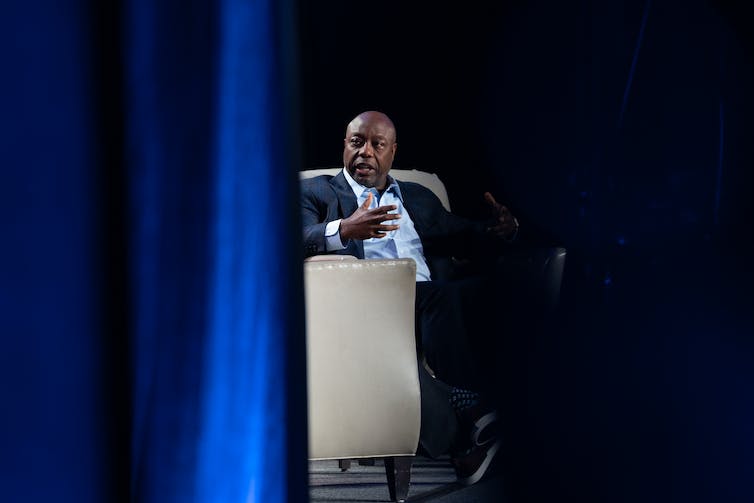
(442, 335)
(439, 421)
(467, 433)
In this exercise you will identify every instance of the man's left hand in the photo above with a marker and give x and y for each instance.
(506, 225)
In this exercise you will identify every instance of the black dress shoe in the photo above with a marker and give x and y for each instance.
(472, 465)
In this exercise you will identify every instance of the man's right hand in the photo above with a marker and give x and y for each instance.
(365, 223)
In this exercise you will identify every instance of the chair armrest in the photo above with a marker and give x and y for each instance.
(329, 258)
(538, 270)
(363, 385)
(535, 271)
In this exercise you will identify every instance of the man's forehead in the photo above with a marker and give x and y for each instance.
(370, 127)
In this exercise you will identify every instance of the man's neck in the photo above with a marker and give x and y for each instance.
(351, 182)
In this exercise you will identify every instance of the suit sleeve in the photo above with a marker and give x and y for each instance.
(313, 211)
(444, 233)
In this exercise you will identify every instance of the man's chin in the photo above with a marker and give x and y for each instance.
(369, 178)
(366, 181)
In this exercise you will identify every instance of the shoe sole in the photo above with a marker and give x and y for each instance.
(481, 424)
(479, 473)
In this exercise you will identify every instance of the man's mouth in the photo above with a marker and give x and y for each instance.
(364, 169)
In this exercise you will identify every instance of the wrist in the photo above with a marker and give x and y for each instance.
(333, 237)
(343, 230)
(513, 235)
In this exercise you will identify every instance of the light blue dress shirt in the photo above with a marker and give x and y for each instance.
(401, 243)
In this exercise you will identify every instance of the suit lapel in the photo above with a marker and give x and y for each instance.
(347, 202)
(407, 193)
(346, 199)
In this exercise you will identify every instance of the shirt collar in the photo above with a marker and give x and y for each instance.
(358, 189)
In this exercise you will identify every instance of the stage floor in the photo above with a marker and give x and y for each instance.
(431, 480)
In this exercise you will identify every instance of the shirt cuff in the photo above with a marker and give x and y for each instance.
(332, 236)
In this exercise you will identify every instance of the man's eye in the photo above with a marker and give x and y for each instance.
(357, 142)
(379, 145)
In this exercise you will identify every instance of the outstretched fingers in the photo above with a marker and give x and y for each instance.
(490, 200)
(382, 229)
(499, 210)
(381, 216)
(367, 223)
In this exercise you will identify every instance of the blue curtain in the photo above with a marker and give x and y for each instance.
(151, 279)
(214, 263)
(53, 433)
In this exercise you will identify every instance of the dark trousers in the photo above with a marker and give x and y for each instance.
(444, 339)
(439, 422)
(443, 330)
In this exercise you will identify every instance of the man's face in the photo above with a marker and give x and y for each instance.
(369, 149)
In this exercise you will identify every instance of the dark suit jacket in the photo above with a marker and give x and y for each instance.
(326, 198)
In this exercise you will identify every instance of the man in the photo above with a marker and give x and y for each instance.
(366, 213)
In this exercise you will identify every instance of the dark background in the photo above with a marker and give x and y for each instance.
(623, 132)
(619, 130)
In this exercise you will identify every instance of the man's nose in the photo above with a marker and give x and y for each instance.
(366, 150)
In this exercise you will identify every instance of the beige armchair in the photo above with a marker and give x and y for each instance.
(363, 384)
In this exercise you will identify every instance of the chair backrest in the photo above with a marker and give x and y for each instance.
(545, 265)
(429, 180)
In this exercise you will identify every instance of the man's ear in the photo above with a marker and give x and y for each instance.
(395, 147)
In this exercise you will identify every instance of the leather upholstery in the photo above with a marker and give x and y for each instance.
(363, 386)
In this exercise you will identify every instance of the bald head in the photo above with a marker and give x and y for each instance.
(372, 116)
(369, 148)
